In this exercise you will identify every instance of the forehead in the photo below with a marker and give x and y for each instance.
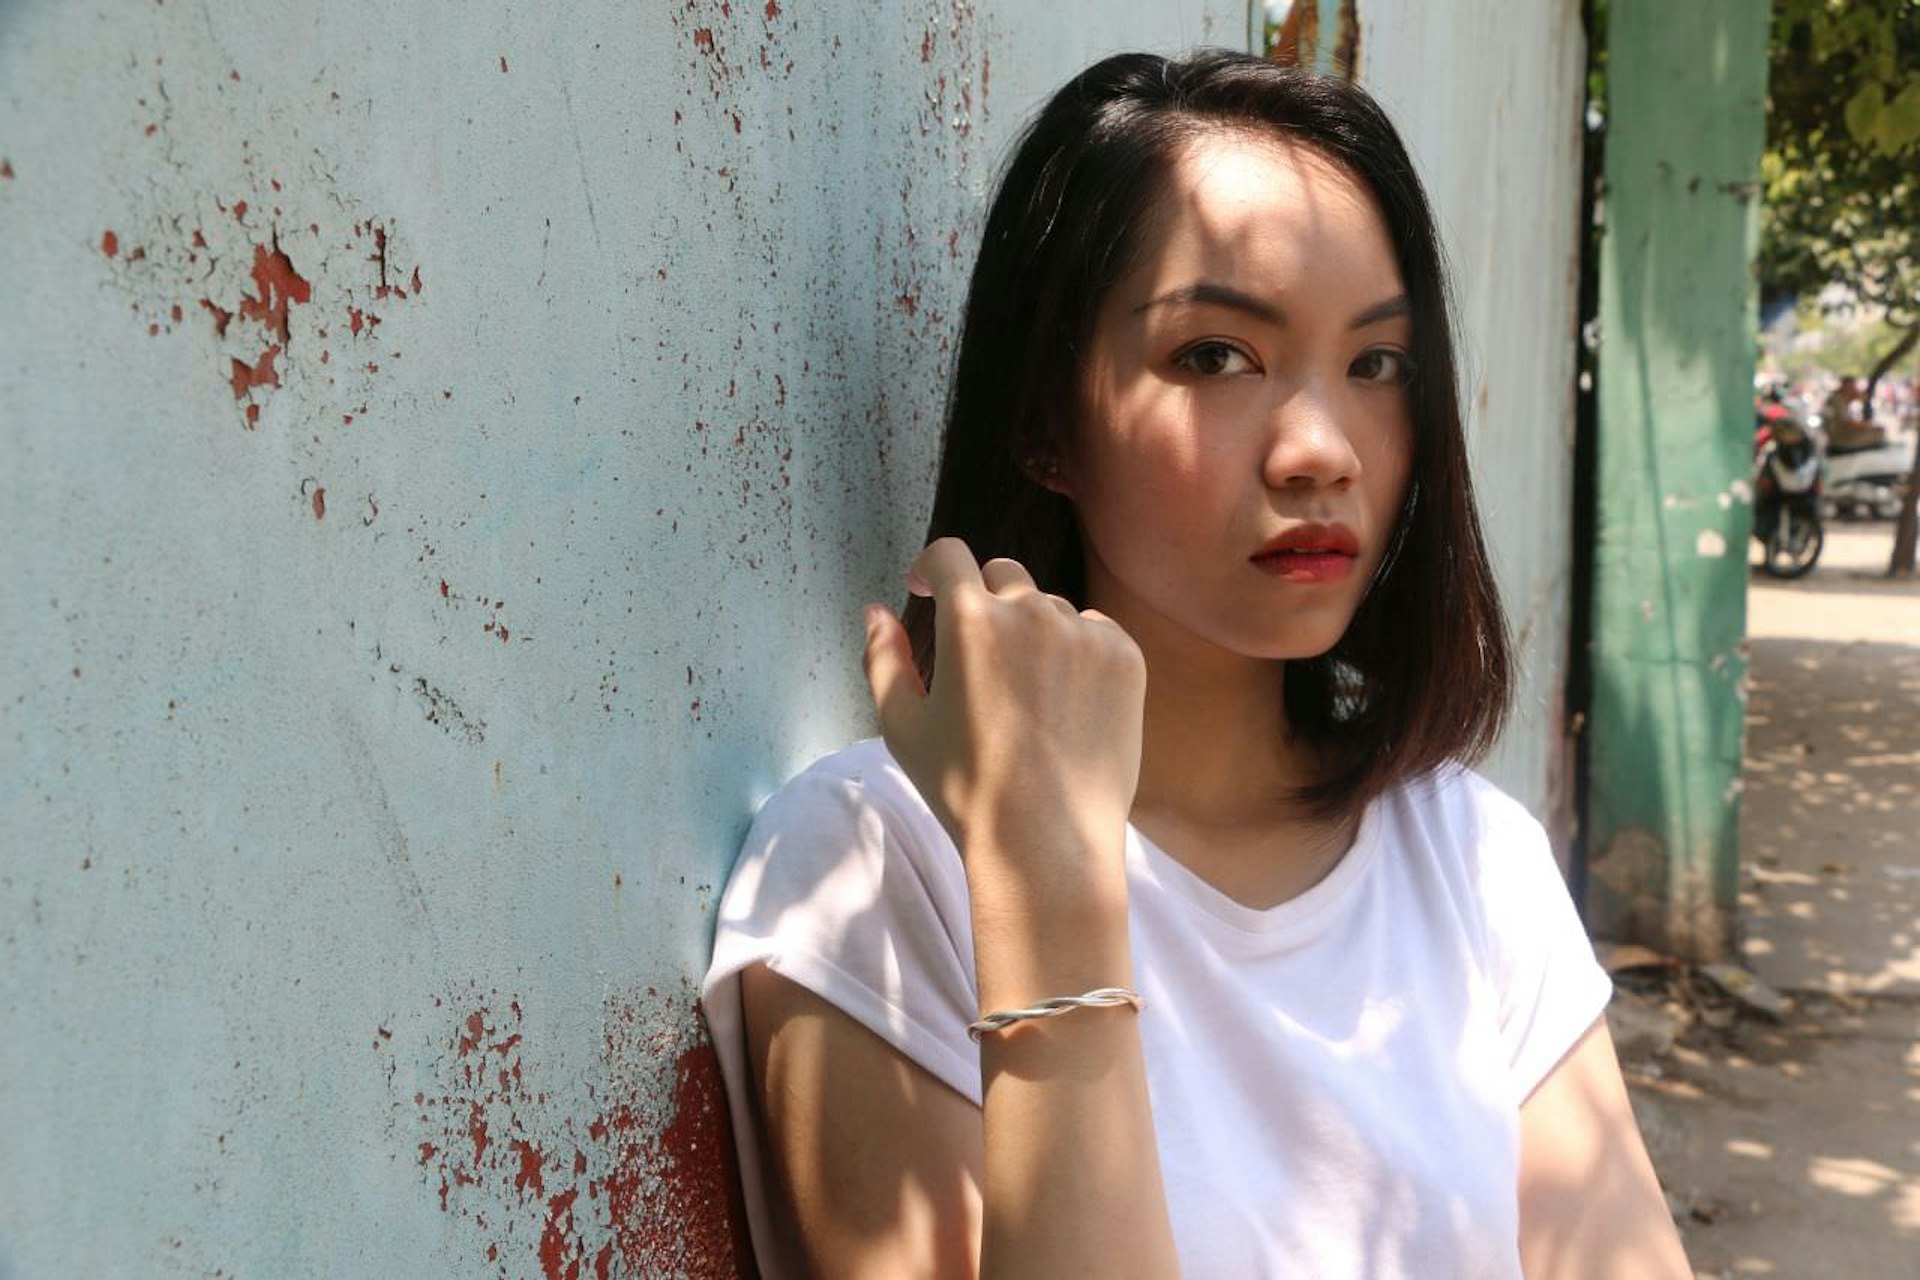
(1265, 214)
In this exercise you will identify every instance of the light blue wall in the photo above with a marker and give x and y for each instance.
(368, 770)
(291, 789)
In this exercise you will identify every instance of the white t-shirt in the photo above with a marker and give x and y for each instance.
(1336, 1081)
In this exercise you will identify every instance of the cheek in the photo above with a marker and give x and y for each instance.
(1140, 446)
(1391, 464)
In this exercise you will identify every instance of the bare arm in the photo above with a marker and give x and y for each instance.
(882, 1164)
(1027, 749)
(880, 1161)
(1590, 1204)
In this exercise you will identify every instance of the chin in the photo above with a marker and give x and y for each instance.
(1296, 645)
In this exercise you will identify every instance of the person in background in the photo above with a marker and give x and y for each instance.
(1848, 419)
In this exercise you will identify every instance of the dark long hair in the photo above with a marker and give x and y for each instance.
(1423, 673)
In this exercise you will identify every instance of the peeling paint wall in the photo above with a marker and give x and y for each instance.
(446, 447)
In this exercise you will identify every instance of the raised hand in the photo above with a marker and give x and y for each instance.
(1027, 747)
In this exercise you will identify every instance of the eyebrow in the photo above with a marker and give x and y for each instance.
(1209, 294)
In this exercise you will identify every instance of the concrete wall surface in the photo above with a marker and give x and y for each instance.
(1489, 95)
(445, 448)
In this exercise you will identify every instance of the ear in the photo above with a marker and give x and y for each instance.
(1047, 471)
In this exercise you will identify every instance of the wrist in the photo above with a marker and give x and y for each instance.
(1059, 876)
(1036, 936)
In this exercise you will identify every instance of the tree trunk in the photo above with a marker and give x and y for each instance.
(1904, 533)
(1905, 530)
(1887, 361)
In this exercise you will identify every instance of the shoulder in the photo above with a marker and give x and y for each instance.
(858, 788)
(846, 837)
(864, 764)
(1460, 836)
(848, 887)
(1530, 945)
(1462, 811)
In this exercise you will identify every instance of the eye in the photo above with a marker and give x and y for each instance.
(1383, 366)
(1215, 359)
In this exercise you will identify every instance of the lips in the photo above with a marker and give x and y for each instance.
(1309, 553)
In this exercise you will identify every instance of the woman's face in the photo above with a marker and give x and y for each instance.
(1246, 438)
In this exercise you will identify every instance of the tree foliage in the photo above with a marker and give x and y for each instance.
(1842, 173)
(1842, 164)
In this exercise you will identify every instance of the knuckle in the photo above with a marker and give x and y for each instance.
(1041, 607)
(966, 607)
(1121, 650)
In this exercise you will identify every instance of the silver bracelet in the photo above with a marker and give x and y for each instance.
(1101, 998)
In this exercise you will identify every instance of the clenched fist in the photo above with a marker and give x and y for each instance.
(1027, 747)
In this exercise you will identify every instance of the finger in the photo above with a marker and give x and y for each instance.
(891, 675)
(946, 565)
(1006, 577)
(1063, 604)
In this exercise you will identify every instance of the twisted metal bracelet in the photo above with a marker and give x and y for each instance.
(1100, 998)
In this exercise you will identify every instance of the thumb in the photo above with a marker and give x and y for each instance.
(891, 675)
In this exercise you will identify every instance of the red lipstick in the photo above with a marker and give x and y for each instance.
(1309, 553)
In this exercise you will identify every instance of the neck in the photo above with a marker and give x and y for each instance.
(1219, 766)
(1216, 749)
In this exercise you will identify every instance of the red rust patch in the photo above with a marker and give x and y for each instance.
(277, 287)
(528, 1180)
(246, 376)
(559, 1254)
(319, 504)
(639, 1183)
(110, 245)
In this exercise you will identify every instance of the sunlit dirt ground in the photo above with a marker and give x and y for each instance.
(1792, 1148)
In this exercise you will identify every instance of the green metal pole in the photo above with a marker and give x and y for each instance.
(1685, 105)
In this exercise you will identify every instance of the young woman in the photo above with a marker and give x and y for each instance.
(1172, 729)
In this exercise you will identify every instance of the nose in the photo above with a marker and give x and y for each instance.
(1307, 447)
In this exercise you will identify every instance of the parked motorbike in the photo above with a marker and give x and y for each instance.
(1867, 482)
(1786, 497)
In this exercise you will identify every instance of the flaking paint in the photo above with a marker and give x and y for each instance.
(619, 1185)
